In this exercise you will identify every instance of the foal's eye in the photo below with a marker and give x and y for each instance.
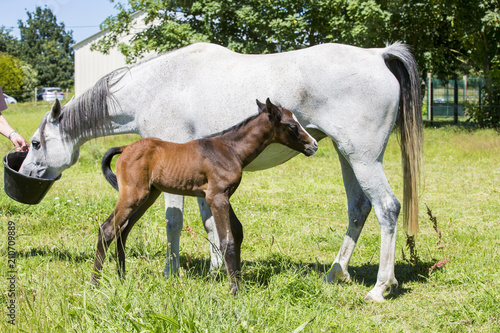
(35, 144)
(294, 129)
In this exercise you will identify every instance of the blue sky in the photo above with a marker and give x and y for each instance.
(81, 16)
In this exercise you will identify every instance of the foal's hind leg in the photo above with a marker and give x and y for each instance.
(237, 231)
(122, 238)
(107, 232)
(128, 202)
(219, 204)
(359, 207)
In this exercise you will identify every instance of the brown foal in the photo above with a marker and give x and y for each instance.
(210, 167)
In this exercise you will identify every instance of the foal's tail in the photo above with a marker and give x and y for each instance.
(403, 65)
(106, 165)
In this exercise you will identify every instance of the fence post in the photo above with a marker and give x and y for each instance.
(465, 88)
(429, 96)
(455, 101)
(36, 95)
(432, 99)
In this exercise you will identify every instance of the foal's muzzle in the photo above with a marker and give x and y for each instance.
(311, 149)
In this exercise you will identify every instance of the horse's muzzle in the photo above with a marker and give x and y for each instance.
(311, 149)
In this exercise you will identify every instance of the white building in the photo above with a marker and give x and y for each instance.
(90, 66)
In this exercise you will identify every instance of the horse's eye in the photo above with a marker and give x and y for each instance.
(35, 144)
(294, 129)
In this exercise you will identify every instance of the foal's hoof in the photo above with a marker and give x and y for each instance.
(234, 290)
(94, 282)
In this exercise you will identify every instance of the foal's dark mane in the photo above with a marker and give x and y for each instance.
(237, 126)
(88, 115)
(233, 128)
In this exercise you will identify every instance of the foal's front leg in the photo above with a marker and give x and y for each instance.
(219, 204)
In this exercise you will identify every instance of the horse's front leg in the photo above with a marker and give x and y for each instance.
(174, 205)
(219, 204)
(212, 235)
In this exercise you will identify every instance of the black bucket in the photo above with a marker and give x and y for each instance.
(22, 188)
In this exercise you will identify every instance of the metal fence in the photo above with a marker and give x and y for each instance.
(446, 98)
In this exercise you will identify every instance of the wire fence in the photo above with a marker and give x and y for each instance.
(458, 99)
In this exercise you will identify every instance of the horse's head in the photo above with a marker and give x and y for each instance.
(288, 130)
(50, 152)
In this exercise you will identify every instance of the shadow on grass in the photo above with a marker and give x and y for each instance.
(261, 272)
(258, 273)
(56, 254)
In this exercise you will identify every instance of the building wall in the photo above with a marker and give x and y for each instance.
(90, 66)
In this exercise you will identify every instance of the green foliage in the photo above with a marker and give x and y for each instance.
(46, 46)
(18, 78)
(249, 26)
(12, 73)
(8, 43)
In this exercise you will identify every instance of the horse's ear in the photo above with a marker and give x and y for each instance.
(273, 110)
(56, 111)
(262, 106)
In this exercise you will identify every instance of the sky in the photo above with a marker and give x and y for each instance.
(81, 16)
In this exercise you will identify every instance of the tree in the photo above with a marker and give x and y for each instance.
(481, 50)
(17, 78)
(12, 76)
(247, 26)
(8, 43)
(47, 47)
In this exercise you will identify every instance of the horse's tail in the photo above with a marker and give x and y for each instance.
(403, 65)
(106, 165)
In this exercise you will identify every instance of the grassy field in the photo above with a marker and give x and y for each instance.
(294, 219)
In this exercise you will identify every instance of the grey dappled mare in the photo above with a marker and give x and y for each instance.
(349, 94)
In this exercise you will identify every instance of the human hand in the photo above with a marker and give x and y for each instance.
(19, 142)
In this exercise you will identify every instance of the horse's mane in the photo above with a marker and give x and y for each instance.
(88, 115)
(233, 128)
(237, 126)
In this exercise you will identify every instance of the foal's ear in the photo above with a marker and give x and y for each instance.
(56, 111)
(261, 106)
(273, 110)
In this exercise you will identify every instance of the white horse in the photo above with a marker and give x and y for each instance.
(349, 94)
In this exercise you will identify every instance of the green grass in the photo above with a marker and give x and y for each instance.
(294, 219)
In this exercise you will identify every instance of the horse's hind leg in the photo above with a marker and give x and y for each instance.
(102, 246)
(213, 238)
(219, 204)
(237, 231)
(107, 233)
(372, 180)
(173, 216)
(359, 206)
(128, 202)
(122, 239)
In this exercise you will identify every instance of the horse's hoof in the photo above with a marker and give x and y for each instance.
(336, 274)
(167, 272)
(374, 297)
